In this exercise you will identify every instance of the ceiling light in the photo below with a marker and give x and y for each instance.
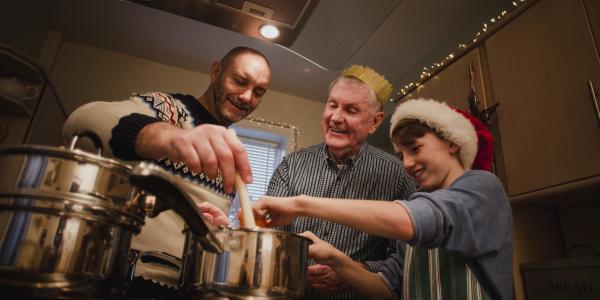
(269, 31)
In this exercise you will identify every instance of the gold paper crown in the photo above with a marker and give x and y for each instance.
(374, 80)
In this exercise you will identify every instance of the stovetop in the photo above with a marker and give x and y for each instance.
(138, 289)
(148, 289)
(141, 288)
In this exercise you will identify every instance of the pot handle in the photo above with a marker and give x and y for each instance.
(164, 186)
(89, 134)
(132, 259)
(162, 258)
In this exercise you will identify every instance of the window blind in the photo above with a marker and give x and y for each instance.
(264, 156)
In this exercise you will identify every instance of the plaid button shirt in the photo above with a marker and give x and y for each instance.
(371, 174)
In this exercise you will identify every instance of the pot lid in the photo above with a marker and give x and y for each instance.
(70, 154)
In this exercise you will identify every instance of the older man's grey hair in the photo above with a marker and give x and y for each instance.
(374, 102)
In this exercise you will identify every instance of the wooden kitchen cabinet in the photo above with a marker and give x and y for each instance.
(540, 64)
(592, 9)
(452, 84)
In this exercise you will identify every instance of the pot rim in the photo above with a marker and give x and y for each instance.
(261, 230)
(71, 154)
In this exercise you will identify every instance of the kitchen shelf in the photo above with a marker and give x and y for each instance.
(13, 106)
(578, 192)
(14, 63)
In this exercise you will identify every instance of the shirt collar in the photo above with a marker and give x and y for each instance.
(326, 155)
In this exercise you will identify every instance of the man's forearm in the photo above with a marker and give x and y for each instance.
(359, 278)
(150, 142)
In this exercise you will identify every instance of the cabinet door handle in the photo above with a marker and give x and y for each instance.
(595, 99)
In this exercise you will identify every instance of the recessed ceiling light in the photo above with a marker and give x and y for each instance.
(269, 31)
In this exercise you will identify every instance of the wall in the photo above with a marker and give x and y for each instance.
(83, 73)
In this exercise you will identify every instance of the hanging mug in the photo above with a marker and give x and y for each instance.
(14, 88)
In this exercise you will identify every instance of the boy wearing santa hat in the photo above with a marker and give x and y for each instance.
(458, 226)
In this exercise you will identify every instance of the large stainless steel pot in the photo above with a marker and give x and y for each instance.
(66, 221)
(255, 263)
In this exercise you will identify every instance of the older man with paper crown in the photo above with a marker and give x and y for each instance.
(345, 166)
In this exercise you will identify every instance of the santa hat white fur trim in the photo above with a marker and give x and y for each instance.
(449, 123)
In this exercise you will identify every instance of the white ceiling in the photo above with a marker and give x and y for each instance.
(407, 35)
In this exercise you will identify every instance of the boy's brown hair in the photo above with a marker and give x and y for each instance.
(407, 131)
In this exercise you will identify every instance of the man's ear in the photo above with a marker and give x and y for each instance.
(377, 120)
(215, 71)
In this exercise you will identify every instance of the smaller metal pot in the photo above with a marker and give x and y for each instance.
(66, 222)
(255, 263)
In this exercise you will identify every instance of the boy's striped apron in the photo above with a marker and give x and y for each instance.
(437, 274)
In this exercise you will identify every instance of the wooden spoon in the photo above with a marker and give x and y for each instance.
(247, 220)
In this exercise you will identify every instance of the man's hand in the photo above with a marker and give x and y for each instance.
(323, 279)
(341, 272)
(275, 211)
(205, 148)
(213, 214)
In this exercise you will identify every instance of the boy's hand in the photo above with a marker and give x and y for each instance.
(213, 214)
(275, 211)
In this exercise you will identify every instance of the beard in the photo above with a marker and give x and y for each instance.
(224, 110)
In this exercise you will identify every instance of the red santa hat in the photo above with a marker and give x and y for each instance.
(459, 127)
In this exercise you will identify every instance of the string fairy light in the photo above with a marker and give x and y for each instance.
(428, 71)
(271, 124)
